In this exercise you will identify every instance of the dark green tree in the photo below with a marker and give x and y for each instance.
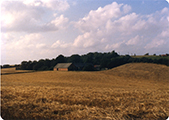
(47, 63)
(29, 65)
(88, 58)
(146, 54)
(75, 59)
(23, 65)
(6, 66)
(60, 59)
(88, 67)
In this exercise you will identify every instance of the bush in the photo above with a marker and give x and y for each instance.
(6, 66)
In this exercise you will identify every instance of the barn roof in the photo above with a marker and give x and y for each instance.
(62, 65)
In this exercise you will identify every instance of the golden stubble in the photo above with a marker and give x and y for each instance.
(82, 95)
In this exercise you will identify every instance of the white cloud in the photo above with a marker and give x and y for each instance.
(112, 27)
(97, 26)
(60, 22)
(134, 41)
(60, 44)
(155, 43)
(6, 37)
(84, 40)
(56, 44)
(41, 45)
(167, 1)
(17, 16)
(60, 5)
(25, 47)
(97, 18)
(27, 41)
(126, 8)
(32, 2)
(160, 41)
(125, 23)
(114, 45)
(164, 10)
(121, 31)
(165, 33)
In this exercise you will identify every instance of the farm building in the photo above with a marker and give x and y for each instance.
(97, 67)
(65, 67)
(73, 67)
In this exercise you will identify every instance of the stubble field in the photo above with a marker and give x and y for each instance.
(131, 91)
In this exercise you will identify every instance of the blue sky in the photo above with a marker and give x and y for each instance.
(40, 29)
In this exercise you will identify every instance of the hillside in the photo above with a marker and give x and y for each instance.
(145, 71)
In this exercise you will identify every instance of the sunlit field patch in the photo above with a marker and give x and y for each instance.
(84, 95)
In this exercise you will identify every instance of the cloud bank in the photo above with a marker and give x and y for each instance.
(30, 16)
(116, 27)
(38, 29)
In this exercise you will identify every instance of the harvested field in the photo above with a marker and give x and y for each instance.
(144, 71)
(13, 70)
(131, 91)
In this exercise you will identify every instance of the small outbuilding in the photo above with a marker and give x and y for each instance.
(97, 67)
(65, 67)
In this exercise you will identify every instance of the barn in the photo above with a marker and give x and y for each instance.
(65, 67)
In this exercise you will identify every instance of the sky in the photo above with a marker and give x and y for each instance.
(41, 29)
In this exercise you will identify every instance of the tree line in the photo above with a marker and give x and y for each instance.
(104, 60)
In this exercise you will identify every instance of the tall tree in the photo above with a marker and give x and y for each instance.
(60, 59)
(75, 59)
